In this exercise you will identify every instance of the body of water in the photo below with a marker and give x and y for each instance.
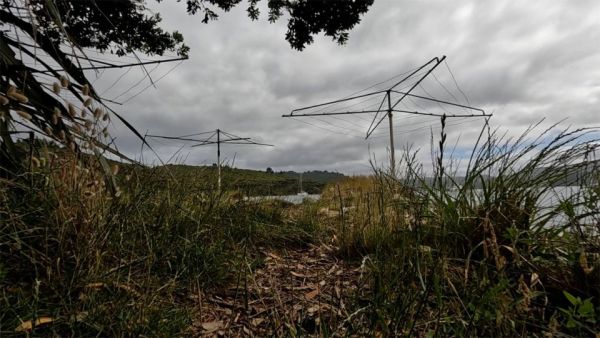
(295, 199)
(552, 198)
(547, 202)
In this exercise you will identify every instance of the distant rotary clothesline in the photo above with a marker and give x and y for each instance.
(400, 97)
(217, 137)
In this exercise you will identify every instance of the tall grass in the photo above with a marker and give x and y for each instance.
(482, 252)
(464, 249)
(80, 258)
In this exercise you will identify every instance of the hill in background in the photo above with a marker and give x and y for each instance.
(315, 176)
(250, 182)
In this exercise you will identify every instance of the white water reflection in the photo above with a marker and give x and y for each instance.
(550, 201)
(294, 199)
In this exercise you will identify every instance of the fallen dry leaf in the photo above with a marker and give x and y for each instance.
(295, 274)
(313, 309)
(257, 321)
(299, 275)
(28, 325)
(128, 289)
(327, 247)
(212, 326)
(81, 316)
(94, 285)
(274, 256)
(312, 294)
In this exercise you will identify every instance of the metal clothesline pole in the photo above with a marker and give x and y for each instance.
(389, 112)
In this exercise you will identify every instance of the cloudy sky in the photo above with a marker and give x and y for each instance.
(521, 61)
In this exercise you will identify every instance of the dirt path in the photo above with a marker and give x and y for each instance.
(296, 291)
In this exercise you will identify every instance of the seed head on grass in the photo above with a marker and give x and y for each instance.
(24, 115)
(18, 96)
(64, 81)
(72, 110)
(55, 118)
(85, 90)
(36, 163)
(97, 113)
(114, 169)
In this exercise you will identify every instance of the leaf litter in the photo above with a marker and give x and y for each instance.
(296, 291)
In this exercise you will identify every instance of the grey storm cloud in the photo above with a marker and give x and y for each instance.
(523, 61)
